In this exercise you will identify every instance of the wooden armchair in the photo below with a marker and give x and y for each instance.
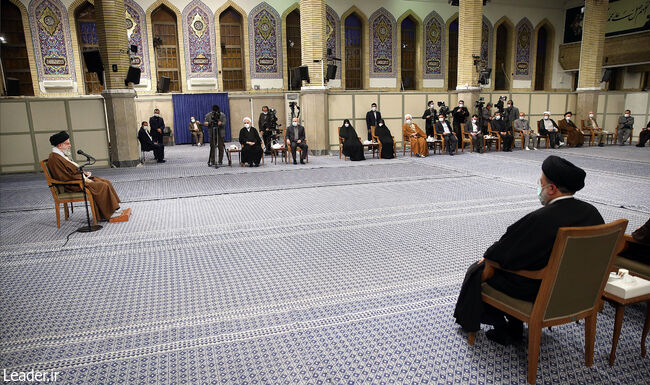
(568, 291)
(406, 141)
(376, 139)
(441, 138)
(615, 134)
(342, 140)
(636, 267)
(297, 149)
(495, 134)
(60, 196)
(517, 135)
(466, 138)
(587, 132)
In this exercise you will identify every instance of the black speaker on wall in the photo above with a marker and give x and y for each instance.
(607, 76)
(13, 86)
(133, 76)
(331, 72)
(304, 73)
(163, 84)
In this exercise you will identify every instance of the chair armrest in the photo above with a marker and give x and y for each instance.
(533, 274)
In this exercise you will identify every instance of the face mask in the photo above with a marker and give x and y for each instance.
(431, 106)
(546, 118)
(497, 117)
(156, 115)
(408, 121)
(475, 120)
(381, 124)
(509, 105)
(145, 127)
(461, 105)
(294, 123)
(246, 125)
(264, 112)
(441, 119)
(591, 115)
(568, 118)
(539, 195)
(627, 115)
(347, 125)
(374, 108)
(192, 120)
(521, 117)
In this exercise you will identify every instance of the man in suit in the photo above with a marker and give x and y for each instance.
(216, 121)
(590, 123)
(430, 117)
(625, 125)
(522, 125)
(265, 124)
(444, 128)
(148, 144)
(474, 129)
(196, 129)
(372, 117)
(547, 126)
(504, 131)
(460, 115)
(644, 135)
(526, 245)
(486, 117)
(510, 113)
(156, 127)
(296, 138)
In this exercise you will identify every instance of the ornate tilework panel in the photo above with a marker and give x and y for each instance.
(434, 40)
(486, 42)
(48, 21)
(332, 29)
(135, 30)
(265, 37)
(523, 38)
(383, 39)
(198, 35)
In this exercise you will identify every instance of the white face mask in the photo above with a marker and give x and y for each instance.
(374, 108)
(461, 105)
(246, 125)
(545, 117)
(627, 115)
(521, 117)
(540, 195)
(475, 120)
(381, 124)
(156, 115)
(591, 115)
(497, 117)
(294, 123)
(347, 125)
(441, 119)
(408, 121)
(568, 118)
(509, 105)
(431, 106)
(264, 112)
(192, 120)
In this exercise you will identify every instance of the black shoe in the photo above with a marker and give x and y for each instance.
(302, 161)
(161, 161)
(638, 145)
(500, 336)
(602, 145)
(294, 162)
(210, 164)
(515, 330)
(256, 165)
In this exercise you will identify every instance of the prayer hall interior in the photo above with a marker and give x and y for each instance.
(345, 269)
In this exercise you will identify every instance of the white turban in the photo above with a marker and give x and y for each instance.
(547, 113)
(247, 118)
(408, 116)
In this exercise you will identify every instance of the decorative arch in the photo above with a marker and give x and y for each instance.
(523, 50)
(245, 45)
(550, 54)
(486, 42)
(179, 34)
(285, 48)
(364, 42)
(332, 31)
(29, 46)
(136, 31)
(265, 39)
(508, 55)
(434, 46)
(53, 51)
(383, 50)
(198, 32)
(418, 48)
(451, 66)
(76, 53)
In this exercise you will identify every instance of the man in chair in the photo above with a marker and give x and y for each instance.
(296, 138)
(147, 143)
(526, 245)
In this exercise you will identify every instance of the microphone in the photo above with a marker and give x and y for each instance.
(80, 152)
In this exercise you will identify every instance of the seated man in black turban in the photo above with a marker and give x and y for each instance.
(526, 245)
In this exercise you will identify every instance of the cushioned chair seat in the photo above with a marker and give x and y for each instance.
(521, 306)
(71, 195)
(637, 267)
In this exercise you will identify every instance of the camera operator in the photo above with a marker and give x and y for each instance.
(460, 115)
(429, 117)
(267, 123)
(486, 116)
(216, 122)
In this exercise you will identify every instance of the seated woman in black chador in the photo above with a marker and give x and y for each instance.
(352, 147)
(387, 146)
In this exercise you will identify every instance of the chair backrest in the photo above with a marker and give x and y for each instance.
(578, 269)
(54, 188)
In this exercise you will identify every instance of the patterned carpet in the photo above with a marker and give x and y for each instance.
(329, 273)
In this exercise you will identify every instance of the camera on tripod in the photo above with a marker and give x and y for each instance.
(480, 103)
(443, 109)
(499, 104)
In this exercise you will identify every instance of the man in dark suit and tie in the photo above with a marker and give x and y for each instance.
(430, 117)
(148, 144)
(372, 117)
(296, 138)
(156, 127)
(444, 128)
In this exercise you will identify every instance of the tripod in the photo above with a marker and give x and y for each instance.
(90, 228)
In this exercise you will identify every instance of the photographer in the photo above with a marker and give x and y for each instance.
(460, 115)
(486, 116)
(429, 117)
(267, 122)
(216, 122)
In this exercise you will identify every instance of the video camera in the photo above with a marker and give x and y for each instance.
(480, 103)
(499, 104)
(443, 109)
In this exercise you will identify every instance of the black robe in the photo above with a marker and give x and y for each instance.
(526, 245)
(386, 139)
(250, 154)
(352, 147)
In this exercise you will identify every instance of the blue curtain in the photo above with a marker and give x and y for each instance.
(197, 105)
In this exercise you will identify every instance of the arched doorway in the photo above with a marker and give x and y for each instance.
(232, 50)
(15, 61)
(543, 58)
(294, 53)
(452, 74)
(353, 49)
(165, 42)
(408, 52)
(87, 37)
(502, 70)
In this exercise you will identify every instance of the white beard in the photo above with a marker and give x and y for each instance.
(67, 152)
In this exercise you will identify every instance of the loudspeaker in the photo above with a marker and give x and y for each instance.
(607, 76)
(93, 61)
(296, 82)
(133, 76)
(163, 84)
(304, 73)
(331, 72)
(13, 86)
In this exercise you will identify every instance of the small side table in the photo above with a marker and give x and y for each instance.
(374, 146)
(619, 304)
(276, 151)
(229, 153)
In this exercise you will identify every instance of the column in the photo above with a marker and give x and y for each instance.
(119, 98)
(591, 56)
(470, 20)
(313, 96)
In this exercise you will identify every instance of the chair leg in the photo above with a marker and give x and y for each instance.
(58, 216)
(65, 211)
(590, 336)
(471, 338)
(534, 338)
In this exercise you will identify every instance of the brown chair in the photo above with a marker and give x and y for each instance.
(467, 138)
(342, 140)
(440, 138)
(635, 267)
(376, 139)
(495, 134)
(517, 135)
(587, 132)
(405, 141)
(57, 188)
(615, 134)
(297, 150)
(569, 291)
